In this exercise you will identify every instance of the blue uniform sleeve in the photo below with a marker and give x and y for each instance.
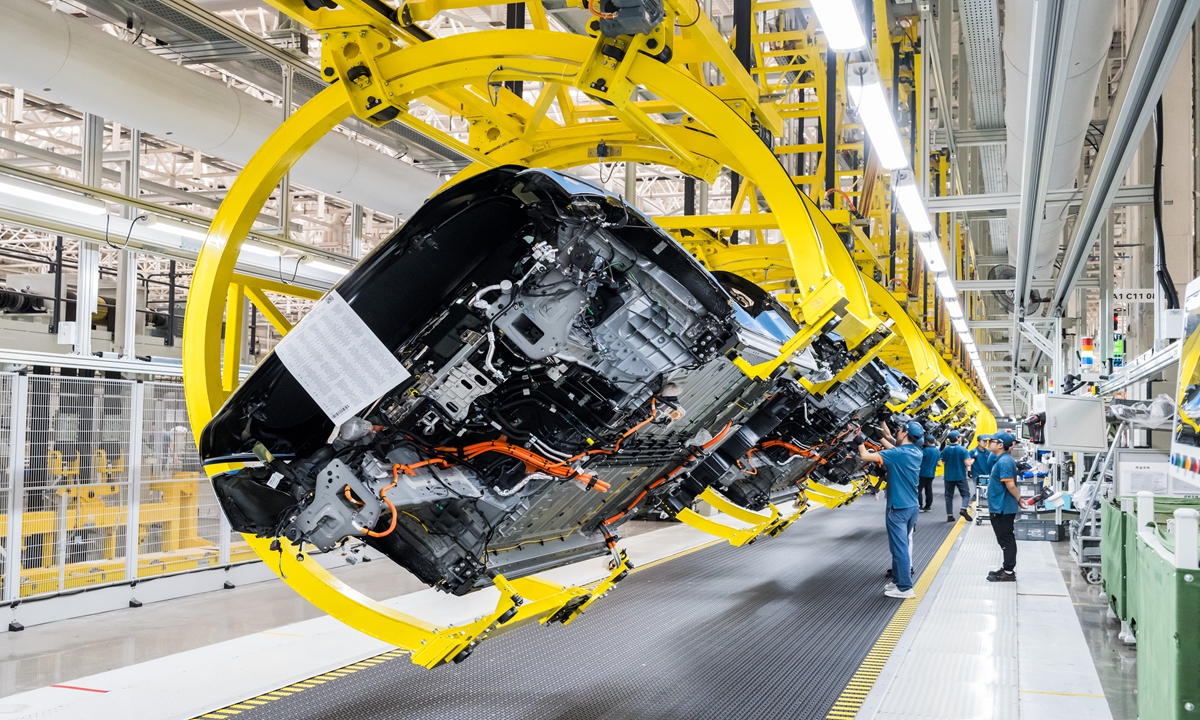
(887, 454)
(1006, 468)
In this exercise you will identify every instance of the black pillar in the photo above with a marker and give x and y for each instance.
(689, 195)
(830, 126)
(170, 341)
(515, 21)
(743, 18)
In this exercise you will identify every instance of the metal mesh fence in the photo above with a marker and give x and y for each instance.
(76, 483)
(6, 494)
(100, 484)
(179, 519)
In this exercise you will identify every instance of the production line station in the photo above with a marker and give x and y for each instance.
(582, 359)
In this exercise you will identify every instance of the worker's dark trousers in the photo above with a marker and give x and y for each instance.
(1002, 525)
(964, 490)
(925, 493)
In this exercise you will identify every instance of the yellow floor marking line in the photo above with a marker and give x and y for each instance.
(1061, 694)
(855, 693)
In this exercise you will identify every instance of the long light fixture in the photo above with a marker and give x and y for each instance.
(910, 200)
(933, 256)
(264, 250)
(945, 287)
(953, 309)
(959, 324)
(182, 229)
(866, 92)
(839, 21)
(65, 200)
(328, 267)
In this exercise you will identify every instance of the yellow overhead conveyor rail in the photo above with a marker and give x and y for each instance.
(379, 62)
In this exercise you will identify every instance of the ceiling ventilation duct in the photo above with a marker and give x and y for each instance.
(64, 59)
(1092, 38)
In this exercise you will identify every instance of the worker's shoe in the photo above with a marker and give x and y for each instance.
(949, 518)
(1002, 576)
(966, 513)
(889, 587)
(898, 593)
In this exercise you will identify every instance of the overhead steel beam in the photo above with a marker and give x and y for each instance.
(1126, 195)
(971, 138)
(1161, 31)
(982, 285)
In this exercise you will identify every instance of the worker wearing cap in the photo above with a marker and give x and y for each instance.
(902, 458)
(981, 460)
(954, 475)
(1004, 502)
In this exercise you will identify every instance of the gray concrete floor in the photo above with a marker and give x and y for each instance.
(1116, 662)
(69, 649)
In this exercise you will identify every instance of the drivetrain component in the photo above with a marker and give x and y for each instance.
(568, 367)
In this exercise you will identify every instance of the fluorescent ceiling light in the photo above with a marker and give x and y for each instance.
(933, 257)
(174, 226)
(953, 309)
(264, 250)
(66, 200)
(967, 340)
(328, 267)
(945, 287)
(839, 20)
(866, 93)
(911, 203)
(960, 325)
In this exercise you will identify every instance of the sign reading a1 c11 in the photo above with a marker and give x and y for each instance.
(1134, 295)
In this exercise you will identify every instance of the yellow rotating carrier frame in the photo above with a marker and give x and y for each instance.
(378, 62)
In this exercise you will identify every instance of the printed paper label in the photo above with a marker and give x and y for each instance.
(338, 360)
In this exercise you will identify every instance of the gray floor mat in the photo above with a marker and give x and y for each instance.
(774, 630)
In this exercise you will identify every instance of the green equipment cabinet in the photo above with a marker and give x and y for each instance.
(1163, 587)
(1118, 525)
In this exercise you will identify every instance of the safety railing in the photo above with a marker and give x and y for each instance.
(100, 483)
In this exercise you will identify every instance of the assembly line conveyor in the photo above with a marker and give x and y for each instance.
(772, 631)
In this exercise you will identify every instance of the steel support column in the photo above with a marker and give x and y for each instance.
(126, 324)
(18, 404)
(87, 288)
(356, 228)
(133, 501)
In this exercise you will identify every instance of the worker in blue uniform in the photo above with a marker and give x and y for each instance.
(981, 460)
(902, 458)
(954, 475)
(1004, 502)
(930, 457)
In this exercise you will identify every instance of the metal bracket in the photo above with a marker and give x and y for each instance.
(759, 524)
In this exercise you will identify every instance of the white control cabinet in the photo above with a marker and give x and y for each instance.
(1073, 424)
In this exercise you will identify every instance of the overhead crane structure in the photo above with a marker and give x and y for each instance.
(644, 98)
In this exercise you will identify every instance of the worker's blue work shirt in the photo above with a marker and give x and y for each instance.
(983, 462)
(954, 458)
(930, 457)
(1000, 500)
(903, 464)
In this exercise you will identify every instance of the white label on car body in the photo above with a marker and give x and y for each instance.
(338, 360)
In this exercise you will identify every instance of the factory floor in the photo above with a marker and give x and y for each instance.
(685, 638)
